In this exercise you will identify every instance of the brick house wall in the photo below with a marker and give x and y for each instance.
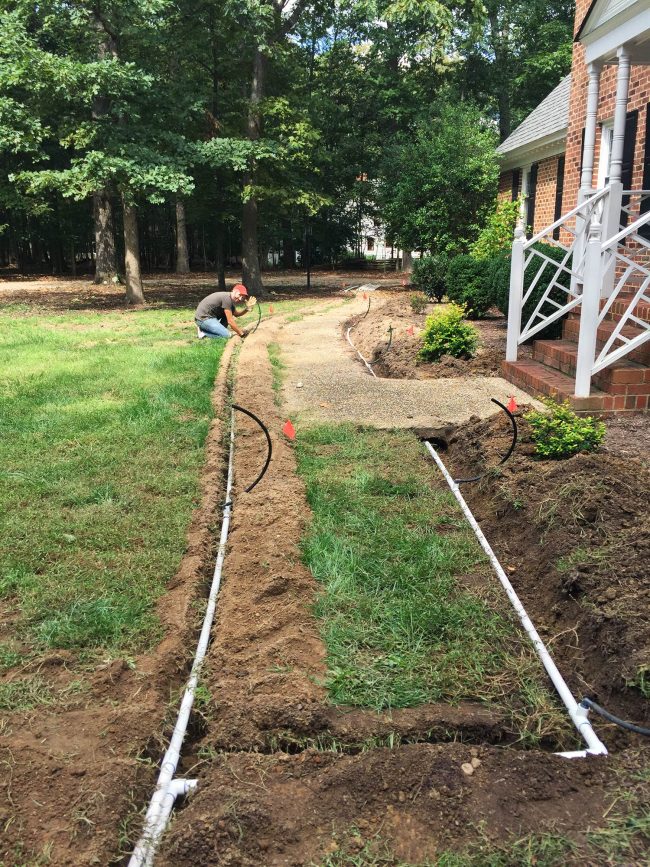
(505, 187)
(639, 96)
(545, 193)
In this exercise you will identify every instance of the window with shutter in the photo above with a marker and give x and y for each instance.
(516, 182)
(645, 204)
(629, 144)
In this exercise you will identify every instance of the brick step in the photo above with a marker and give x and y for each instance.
(620, 306)
(622, 377)
(538, 379)
(619, 309)
(571, 330)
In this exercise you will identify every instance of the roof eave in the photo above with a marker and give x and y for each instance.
(532, 152)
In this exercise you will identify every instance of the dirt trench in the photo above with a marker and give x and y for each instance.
(76, 774)
(287, 778)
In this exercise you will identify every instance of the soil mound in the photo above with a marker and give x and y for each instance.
(396, 357)
(575, 536)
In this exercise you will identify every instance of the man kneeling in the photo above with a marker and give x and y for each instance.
(217, 312)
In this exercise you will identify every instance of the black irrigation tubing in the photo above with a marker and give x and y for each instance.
(367, 311)
(640, 730)
(268, 454)
(505, 457)
(259, 317)
(390, 337)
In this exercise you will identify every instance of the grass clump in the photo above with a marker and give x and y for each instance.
(400, 626)
(446, 333)
(277, 369)
(24, 694)
(101, 445)
(560, 433)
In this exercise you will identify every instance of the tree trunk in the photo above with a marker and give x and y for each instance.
(105, 257)
(407, 260)
(251, 275)
(134, 291)
(182, 258)
(220, 258)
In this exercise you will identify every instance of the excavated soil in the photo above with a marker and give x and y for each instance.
(73, 776)
(575, 534)
(414, 802)
(285, 777)
(396, 357)
(267, 665)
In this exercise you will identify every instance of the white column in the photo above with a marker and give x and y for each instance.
(612, 217)
(620, 112)
(525, 188)
(593, 92)
(587, 175)
(590, 310)
(516, 293)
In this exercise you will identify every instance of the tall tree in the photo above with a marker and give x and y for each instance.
(521, 53)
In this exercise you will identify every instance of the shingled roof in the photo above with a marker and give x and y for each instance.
(545, 124)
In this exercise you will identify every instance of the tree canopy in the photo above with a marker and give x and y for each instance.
(126, 126)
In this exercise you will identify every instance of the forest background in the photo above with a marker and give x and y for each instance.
(178, 134)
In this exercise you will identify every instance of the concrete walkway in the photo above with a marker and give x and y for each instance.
(326, 382)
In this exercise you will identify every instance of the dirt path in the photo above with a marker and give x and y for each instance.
(326, 382)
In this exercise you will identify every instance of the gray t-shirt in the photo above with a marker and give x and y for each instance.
(214, 307)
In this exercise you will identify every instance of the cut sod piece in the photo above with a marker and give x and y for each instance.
(410, 611)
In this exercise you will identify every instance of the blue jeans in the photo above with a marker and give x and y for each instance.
(213, 328)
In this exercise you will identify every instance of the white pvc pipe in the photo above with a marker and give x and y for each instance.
(168, 788)
(578, 714)
(358, 353)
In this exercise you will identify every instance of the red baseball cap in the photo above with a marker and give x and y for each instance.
(240, 288)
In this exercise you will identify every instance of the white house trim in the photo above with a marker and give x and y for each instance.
(629, 27)
(533, 152)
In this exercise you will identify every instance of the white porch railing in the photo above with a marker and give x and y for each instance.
(591, 264)
(635, 274)
(570, 267)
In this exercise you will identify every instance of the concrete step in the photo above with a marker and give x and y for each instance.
(622, 377)
(538, 379)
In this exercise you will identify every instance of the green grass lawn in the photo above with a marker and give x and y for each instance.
(103, 423)
(407, 611)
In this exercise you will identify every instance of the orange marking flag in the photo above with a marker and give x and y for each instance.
(365, 296)
(410, 330)
(270, 308)
(512, 405)
(289, 430)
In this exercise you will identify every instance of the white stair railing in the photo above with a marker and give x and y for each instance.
(569, 269)
(634, 275)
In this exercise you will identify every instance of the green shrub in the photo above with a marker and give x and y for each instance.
(429, 276)
(418, 302)
(560, 433)
(497, 234)
(469, 283)
(445, 333)
(500, 285)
